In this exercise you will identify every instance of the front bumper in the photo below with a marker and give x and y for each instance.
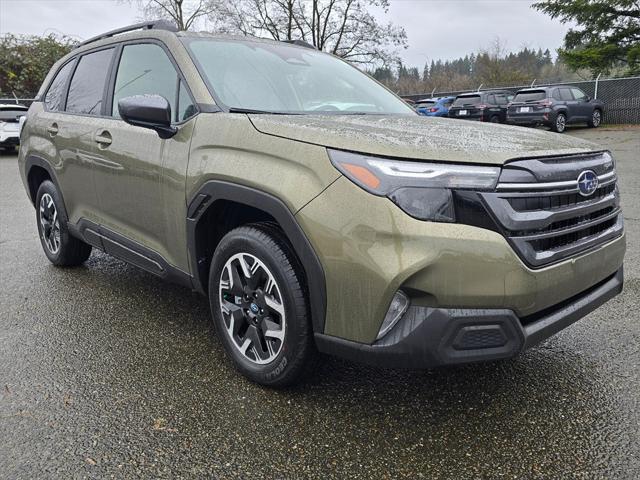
(429, 337)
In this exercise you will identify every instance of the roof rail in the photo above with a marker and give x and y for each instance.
(153, 25)
(300, 43)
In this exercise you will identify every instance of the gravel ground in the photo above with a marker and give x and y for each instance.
(107, 372)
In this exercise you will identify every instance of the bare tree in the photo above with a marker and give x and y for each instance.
(185, 13)
(346, 28)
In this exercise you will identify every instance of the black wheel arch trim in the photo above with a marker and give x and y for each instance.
(36, 161)
(215, 190)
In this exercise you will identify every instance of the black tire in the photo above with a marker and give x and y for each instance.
(495, 119)
(560, 123)
(71, 251)
(596, 118)
(268, 244)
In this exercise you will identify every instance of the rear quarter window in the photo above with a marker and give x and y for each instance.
(53, 100)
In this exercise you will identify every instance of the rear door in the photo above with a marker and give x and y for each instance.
(72, 104)
(138, 181)
(569, 102)
(582, 105)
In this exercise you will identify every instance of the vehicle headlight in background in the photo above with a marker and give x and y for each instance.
(421, 189)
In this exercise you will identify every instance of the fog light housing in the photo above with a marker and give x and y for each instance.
(398, 307)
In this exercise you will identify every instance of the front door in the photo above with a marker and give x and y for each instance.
(129, 179)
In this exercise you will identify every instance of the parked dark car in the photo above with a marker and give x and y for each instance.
(554, 107)
(489, 106)
(10, 125)
(434, 107)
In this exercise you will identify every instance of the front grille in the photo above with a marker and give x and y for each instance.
(548, 221)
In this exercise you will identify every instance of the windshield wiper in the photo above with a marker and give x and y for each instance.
(251, 110)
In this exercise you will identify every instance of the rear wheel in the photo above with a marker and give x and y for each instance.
(259, 305)
(560, 124)
(495, 119)
(596, 119)
(59, 246)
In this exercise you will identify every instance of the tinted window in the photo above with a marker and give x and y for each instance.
(530, 96)
(448, 103)
(425, 104)
(466, 100)
(556, 94)
(186, 108)
(565, 94)
(578, 94)
(55, 94)
(491, 98)
(501, 99)
(145, 69)
(87, 84)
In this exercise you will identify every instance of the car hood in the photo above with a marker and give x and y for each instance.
(419, 137)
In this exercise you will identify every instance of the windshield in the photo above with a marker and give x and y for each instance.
(467, 100)
(425, 104)
(532, 96)
(281, 78)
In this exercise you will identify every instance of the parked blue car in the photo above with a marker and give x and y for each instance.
(434, 107)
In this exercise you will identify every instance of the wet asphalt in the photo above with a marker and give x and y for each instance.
(105, 371)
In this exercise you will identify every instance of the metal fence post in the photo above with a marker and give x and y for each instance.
(595, 93)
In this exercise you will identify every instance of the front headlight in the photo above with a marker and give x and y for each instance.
(422, 189)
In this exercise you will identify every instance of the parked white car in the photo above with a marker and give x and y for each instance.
(10, 125)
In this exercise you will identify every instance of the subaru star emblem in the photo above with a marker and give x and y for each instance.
(587, 183)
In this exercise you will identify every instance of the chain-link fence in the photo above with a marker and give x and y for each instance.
(621, 96)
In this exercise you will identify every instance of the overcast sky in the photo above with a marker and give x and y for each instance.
(444, 29)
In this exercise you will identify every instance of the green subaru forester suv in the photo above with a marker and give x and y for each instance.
(314, 208)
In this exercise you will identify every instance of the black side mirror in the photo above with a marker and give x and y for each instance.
(148, 111)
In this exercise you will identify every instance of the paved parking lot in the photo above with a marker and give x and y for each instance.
(107, 372)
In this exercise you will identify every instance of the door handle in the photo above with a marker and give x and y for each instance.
(103, 138)
(52, 130)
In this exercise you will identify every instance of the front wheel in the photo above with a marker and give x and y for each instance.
(259, 305)
(62, 249)
(596, 119)
(560, 124)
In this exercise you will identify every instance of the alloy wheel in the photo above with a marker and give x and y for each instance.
(596, 118)
(252, 308)
(50, 224)
(561, 123)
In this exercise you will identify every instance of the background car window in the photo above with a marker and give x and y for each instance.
(501, 99)
(186, 108)
(579, 94)
(448, 103)
(556, 94)
(87, 84)
(565, 94)
(55, 94)
(145, 69)
(491, 99)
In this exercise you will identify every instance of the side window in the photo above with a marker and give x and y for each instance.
(186, 109)
(579, 94)
(448, 103)
(55, 95)
(565, 94)
(145, 69)
(87, 85)
(556, 94)
(491, 99)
